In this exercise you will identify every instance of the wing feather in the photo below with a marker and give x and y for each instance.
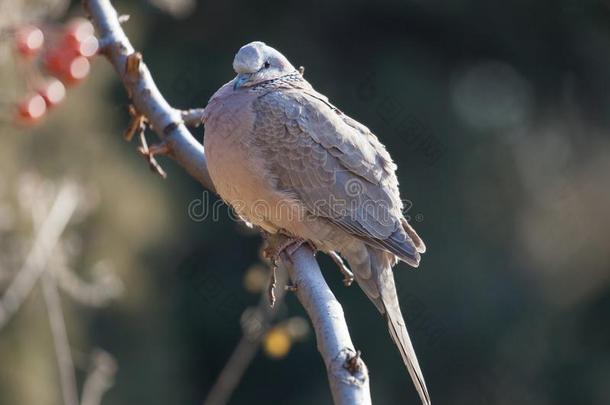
(335, 166)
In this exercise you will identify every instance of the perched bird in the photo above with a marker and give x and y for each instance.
(289, 161)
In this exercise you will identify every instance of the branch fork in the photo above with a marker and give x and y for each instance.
(139, 123)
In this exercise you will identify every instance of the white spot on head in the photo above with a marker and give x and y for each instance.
(249, 58)
(255, 56)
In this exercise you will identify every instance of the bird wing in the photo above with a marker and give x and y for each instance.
(335, 166)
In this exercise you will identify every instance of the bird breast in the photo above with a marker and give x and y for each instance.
(236, 164)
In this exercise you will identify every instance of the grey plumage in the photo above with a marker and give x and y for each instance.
(289, 161)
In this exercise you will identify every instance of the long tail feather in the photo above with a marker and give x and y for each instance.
(400, 336)
(375, 277)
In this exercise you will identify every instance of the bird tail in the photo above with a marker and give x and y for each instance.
(372, 269)
(418, 243)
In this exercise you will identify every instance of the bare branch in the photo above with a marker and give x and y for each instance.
(67, 378)
(231, 374)
(164, 119)
(149, 154)
(348, 377)
(104, 287)
(137, 123)
(193, 117)
(44, 244)
(255, 325)
(99, 379)
(347, 373)
(60, 339)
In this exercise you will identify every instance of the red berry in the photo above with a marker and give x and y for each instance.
(58, 59)
(29, 39)
(79, 36)
(88, 47)
(78, 69)
(53, 92)
(32, 108)
(68, 65)
(78, 30)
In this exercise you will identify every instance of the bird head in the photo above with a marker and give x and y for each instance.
(257, 62)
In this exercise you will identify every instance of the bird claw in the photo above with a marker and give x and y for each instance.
(271, 288)
(348, 276)
(277, 244)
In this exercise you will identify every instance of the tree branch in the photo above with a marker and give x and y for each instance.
(99, 379)
(193, 117)
(60, 339)
(57, 322)
(44, 244)
(347, 373)
(256, 324)
(165, 120)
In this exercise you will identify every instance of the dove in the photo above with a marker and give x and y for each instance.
(290, 162)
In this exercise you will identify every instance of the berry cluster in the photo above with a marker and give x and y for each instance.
(63, 52)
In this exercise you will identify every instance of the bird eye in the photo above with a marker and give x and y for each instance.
(267, 64)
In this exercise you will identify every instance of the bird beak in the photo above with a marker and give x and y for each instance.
(240, 80)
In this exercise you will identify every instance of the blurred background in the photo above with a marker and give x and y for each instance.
(497, 113)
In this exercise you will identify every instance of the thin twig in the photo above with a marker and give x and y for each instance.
(149, 154)
(60, 339)
(61, 344)
(193, 117)
(232, 373)
(99, 379)
(35, 262)
(103, 287)
(137, 123)
(255, 327)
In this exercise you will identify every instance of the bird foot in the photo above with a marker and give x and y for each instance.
(278, 243)
(271, 288)
(348, 276)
